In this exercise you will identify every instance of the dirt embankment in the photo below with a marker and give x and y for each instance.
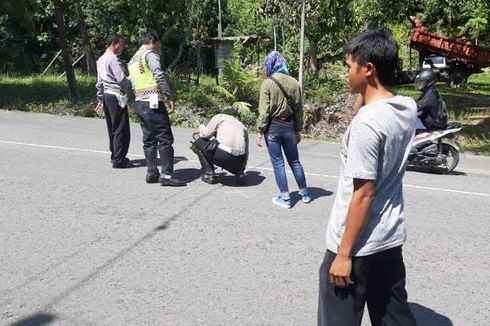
(329, 120)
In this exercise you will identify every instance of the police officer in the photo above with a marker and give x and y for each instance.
(112, 86)
(151, 89)
(223, 142)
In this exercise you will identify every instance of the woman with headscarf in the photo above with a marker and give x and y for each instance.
(280, 122)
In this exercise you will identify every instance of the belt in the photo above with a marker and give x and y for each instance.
(112, 92)
(286, 118)
(232, 151)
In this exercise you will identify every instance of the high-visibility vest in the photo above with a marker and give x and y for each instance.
(144, 83)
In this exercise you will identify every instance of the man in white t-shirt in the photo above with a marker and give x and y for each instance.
(366, 231)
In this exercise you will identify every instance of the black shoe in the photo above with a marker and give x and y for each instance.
(209, 178)
(125, 164)
(152, 177)
(172, 182)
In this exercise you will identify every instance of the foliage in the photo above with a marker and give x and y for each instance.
(239, 85)
(28, 36)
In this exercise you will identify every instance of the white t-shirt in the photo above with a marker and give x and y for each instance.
(375, 146)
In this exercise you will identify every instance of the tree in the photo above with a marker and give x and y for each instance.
(89, 55)
(65, 53)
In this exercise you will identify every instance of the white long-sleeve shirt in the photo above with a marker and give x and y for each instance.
(111, 75)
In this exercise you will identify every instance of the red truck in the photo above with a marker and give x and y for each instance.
(456, 60)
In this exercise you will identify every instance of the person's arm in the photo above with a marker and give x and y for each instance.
(357, 216)
(425, 102)
(100, 90)
(264, 111)
(365, 145)
(211, 128)
(156, 69)
(117, 69)
(99, 108)
(99, 85)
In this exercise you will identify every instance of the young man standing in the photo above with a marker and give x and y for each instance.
(366, 231)
(112, 87)
(151, 90)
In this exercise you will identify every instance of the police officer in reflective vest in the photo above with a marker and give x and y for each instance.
(151, 90)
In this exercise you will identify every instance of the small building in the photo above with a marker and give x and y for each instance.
(224, 46)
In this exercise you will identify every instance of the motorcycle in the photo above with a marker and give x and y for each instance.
(437, 150)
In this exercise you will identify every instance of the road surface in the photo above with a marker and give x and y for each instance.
(85, 244)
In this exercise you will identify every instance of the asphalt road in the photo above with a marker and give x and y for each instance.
(84, 244)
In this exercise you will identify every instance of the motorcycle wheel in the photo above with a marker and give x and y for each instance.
(452, 158)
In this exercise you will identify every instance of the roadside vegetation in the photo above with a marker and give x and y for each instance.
(327, 106)
(66, 37)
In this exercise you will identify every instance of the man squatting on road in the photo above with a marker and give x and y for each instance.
(223, 142)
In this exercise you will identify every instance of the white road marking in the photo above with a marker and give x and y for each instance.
(251, 167)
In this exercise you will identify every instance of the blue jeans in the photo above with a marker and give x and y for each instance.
(286, 141)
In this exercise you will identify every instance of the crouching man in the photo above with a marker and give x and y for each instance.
(222, 142)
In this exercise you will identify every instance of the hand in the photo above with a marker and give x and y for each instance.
(258, 140)
(170, 106)
(340, 271)
(201, 130)
(99, 109)
(298, 137)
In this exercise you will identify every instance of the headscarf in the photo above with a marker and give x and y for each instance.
(274, 62)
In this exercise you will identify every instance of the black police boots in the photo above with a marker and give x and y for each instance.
(166, 177)
(152, 173)
(208, 175)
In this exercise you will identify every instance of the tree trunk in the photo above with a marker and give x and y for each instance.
(87, 47)
(177, 58)
(65, 53)
(313, 66)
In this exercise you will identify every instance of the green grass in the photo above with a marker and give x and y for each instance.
(47, 94)
(469, 105)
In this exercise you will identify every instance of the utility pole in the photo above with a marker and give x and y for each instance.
(275, 39)
(302, 44)
(220, 26)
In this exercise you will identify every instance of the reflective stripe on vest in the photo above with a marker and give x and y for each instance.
(144, 83)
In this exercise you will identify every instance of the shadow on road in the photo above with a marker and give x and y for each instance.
(315, 193)
(38, 319)
(188, 175)
(428, 317)
(138, 163)
(252, 178)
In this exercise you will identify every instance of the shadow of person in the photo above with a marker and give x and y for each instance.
(141, 162)
(428, 317)
(38, 319)
(250, 179)
(188, 175)
(314, 192)
(138, 163)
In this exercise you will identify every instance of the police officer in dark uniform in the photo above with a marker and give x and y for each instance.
(151, 90)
